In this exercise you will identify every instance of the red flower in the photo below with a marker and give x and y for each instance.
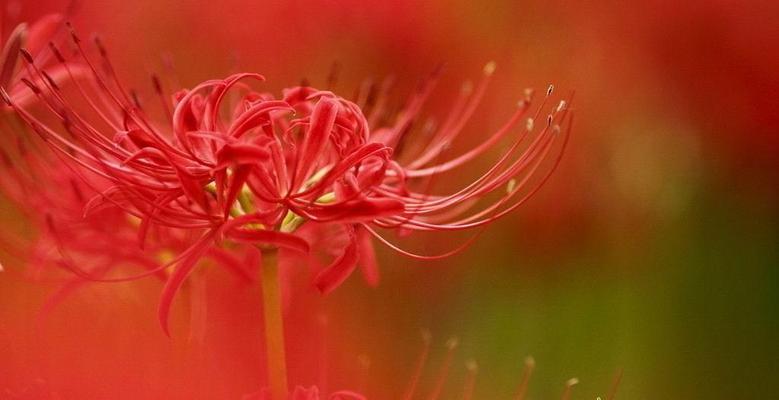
(231, 163)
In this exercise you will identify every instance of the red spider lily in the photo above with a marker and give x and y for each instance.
(231, 163)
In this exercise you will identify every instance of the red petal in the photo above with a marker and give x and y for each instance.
(179, 274)
(241, 153)
(322, 121)
(358, 210)
(343, 266)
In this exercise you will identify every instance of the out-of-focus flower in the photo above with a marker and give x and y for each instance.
(231, 163)
(35, 39)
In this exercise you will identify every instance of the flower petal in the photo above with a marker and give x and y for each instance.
(337, 272)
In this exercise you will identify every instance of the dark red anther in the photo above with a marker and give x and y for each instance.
(56, 52)
(26, 55)
(155, 80)
(100, 47)
(31, 85)
(51, 81)
(136, 99)
(72, 31)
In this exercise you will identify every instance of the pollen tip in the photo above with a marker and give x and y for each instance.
(155, 80)
(562, 106)
(571, 382)
(530, 361)
(452, 343)
(72, 31)
(490, 67)
(31, 85)
(26, 55)
(56, 52)
(99, 44)
(426, 335)
(467, 87)
(51, 81)
(511, 186)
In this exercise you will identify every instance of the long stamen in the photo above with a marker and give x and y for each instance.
(419, 366)
(451, 345)
(530, 365)
(470, 379)
(568, 387)
(615, 385)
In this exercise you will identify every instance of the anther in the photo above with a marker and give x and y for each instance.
(568, 385)
(51, 81)
(155, 81)
(529, 93)
(31, 85)
(100, 47)
(550, 90)
(56, 52)
(26, 55)
(467, 87)
(489, 69)
(72, 31)
(530, 124)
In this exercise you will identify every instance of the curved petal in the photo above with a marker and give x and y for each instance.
(337, 272)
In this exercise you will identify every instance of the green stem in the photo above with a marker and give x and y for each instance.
(274, 325)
